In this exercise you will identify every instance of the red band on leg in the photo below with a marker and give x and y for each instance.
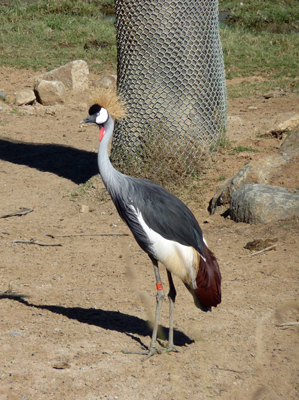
(159, 286)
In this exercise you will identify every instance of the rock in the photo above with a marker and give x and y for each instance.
(2, 95)
(277, 92)
(50, 92)
(24, 97)
(291, 142)
(105, 81)
(5, 107)
(260, 244)
(10, 99)
(255, 204)
(282, 128)
(73, 75)
(289, 124)
(84, 209)
(258, 171)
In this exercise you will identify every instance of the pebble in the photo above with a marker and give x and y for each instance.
(84, 209)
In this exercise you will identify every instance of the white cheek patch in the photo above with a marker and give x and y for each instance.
(102, 116)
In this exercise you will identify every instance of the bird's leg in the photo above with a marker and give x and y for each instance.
(160, 297)
(171, 297)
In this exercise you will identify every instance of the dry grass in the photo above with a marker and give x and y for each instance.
(171, 165)
(111, 101)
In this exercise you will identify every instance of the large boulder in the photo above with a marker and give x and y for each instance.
(73, 75)
(290, 146)
(258, 171)
(255, 204)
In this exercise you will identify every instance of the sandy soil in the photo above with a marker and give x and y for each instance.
(67, 311)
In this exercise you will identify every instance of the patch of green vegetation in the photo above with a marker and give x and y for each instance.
(48, 34)
(276, 16)
(221, 178)
(224, 143)
(248, 53)
(14, 111)
(261, 39)
(241, 149)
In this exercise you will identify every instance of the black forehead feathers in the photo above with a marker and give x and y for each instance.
(94, 109)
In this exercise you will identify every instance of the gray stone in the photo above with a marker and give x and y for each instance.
(257, 171)
(24, 97)
(289, 124)
(291, 142)
(255, 204)
(50, 92)
(73, 75)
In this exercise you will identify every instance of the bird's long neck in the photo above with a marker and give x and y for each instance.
(108, 173)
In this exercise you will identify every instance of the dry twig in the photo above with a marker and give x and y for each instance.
(21, 211)
(230, 370)
(285, 324)
(261, 251)
(88, 234)
(38, 243)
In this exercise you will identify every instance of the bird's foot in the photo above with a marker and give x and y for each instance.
(145, 351)
(152, 351)
(172, 348)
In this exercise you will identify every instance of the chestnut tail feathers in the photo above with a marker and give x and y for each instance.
(208, 281)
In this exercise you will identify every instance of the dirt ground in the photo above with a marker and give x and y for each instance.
(67, 311)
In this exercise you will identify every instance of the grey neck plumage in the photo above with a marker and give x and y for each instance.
(110, 176)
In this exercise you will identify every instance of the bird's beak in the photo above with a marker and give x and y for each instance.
(91, 119)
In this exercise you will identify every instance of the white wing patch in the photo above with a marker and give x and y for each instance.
(177, 258)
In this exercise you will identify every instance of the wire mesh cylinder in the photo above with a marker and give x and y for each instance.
(171, 74)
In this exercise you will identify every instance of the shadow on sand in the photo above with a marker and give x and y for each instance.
(105, 319)
(67, 162)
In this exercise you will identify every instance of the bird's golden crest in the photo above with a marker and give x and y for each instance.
(111, 101)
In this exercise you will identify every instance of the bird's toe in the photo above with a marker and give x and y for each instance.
(152, 351)
(172, 348)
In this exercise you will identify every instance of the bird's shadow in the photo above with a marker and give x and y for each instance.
(105, 319)
(68, 162)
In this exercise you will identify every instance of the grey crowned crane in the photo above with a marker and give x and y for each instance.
(162, 225)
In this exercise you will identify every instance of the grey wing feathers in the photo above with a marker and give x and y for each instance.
(166, 214)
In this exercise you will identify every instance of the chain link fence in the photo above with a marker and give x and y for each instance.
(171, 74)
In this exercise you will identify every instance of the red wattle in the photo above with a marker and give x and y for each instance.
(102, 133)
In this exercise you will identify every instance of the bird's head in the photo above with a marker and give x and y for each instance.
(107, 104)
(97, 115)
